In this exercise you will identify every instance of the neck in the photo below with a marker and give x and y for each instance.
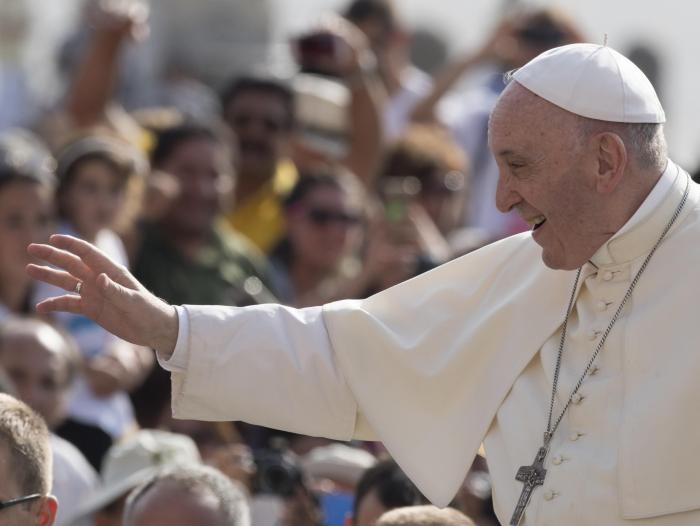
(306, 278)
(187, 244)
(248, 184)
(631, 196)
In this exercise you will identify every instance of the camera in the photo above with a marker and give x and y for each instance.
(278, 473)
(318, 53)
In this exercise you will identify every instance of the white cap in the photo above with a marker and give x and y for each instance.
(338, 462)
(592, 81)
(130, 463)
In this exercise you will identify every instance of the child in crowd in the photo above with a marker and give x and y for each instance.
(97, 184)
(26, 195)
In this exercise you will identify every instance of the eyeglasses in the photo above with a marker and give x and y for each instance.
(321, 217)
(19, 500)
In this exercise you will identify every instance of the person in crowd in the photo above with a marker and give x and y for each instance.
(99, 181)
(432, 173)
(334, 470)
(324, 216)
(88, 105)
(25, 467)
(188, 255)
(220, 445)
(336, 53)
(42, 363)
(129, 464)
(520, 36)
(424, 516)
(405, 84)
(27, 183)
(382, 487)
(186, 496)
(261, 111)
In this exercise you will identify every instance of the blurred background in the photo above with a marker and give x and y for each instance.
(250, 32)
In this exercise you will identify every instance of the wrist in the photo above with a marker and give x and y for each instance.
(165, 339)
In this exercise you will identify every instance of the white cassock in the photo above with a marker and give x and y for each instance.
(466, 354)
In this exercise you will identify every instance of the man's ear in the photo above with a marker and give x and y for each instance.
(611, 155)
(46, 510)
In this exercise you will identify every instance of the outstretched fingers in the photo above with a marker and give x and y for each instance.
(93, 257)
(62, 259)
(66, 303)
(56, 277)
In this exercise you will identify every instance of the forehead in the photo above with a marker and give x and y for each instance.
(523, 123)
(167, 504)
(265, 101)
(41, 343)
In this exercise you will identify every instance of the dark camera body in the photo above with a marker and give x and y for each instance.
(316, 51)
(277, 473)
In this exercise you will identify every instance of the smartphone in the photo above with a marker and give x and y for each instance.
(397, 193)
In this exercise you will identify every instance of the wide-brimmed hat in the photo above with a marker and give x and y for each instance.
(134, 461)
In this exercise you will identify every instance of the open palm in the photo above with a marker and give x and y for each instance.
(109, 294)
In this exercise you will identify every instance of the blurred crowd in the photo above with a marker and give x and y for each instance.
(356, 173)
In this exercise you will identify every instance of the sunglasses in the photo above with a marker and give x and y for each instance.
(19, 500)
(321, 217)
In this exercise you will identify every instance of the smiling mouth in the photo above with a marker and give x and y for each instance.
(537, 222)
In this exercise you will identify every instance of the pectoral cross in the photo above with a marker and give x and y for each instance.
(531, 477)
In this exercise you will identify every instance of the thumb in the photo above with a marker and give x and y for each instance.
(113, 291)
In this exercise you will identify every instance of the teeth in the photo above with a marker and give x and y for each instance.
(536, 221)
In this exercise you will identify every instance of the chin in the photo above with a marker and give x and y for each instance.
(560, 262)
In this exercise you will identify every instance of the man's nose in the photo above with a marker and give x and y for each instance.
(507, 196)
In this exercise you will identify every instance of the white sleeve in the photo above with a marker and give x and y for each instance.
(178, 359)
(269, 365)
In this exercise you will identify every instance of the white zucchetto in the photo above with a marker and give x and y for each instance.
(592, 81)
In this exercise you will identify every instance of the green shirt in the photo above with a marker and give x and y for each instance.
(228, 270)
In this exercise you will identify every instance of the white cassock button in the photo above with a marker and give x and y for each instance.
(574, 436)
(577, 398)
(549, 494)
(593, 334)
(601, 306)
(607, 276)
(557, 460)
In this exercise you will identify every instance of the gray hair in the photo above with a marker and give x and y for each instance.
(197, 480)
(645, 142)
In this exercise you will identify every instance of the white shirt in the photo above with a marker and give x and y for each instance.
(471, 370)
(73, 479)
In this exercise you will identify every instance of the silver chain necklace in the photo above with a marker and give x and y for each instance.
(533, 475)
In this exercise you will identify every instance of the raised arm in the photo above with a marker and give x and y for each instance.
(92, 86)
(104, 292)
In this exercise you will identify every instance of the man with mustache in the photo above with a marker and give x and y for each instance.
(260, 112)
(570, 351)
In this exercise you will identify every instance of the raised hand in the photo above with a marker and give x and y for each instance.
(103, 291)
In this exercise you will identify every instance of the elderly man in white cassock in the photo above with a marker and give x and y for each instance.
(579, 375)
